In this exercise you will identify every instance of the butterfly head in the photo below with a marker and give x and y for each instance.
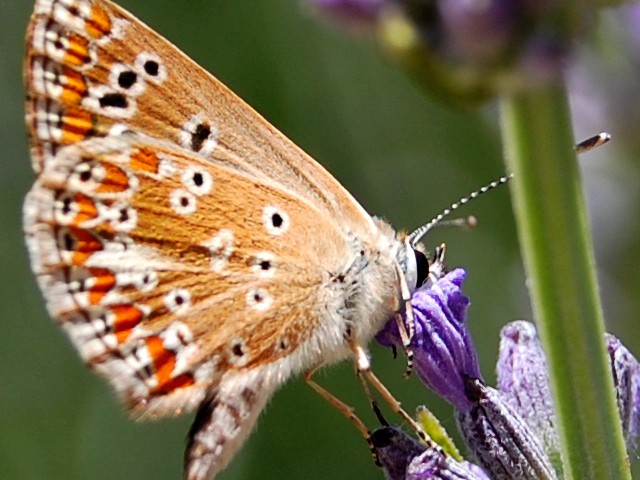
(414, 264)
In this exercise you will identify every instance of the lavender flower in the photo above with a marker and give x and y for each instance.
(511, 430)
(626, 375)
(524, 382)
(500, 439)
(445, 357)
(403, 458)
(394, 450)
(360, 12)
(469, 50)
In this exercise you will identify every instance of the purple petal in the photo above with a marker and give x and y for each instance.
(394, 450)
(626, 377)
(524, 383)
(480, 30)
(633, 16)
(501, 440)
(351, 11)
(434, 464)
(444, 354)
(404, 458)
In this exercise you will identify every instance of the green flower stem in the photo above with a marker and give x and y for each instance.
(556, 246)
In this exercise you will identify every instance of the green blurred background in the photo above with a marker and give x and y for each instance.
(403, 156)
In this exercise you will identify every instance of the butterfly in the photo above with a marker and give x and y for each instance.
(194, 255)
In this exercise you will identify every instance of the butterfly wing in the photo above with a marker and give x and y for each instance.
(164, 280)
(195, 256)
(92, 69)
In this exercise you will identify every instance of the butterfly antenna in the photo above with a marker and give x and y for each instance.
(593, 142)
(416, 235)
(584, 146)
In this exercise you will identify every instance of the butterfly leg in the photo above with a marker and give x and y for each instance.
(222, 423)
(406, 328)
(338, 404)
(363, 366)
(345, 409)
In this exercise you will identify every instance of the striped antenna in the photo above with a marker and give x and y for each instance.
(582, 147)
(593, 142)
(416, 235)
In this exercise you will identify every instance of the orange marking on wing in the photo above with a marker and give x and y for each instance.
(144, 159)
(74, 88)
(86, 209)
(115, 180)
(77, 124)
(181, 381)
(164, 362)
(85, 245)
(77, 54)
(99, 24)
(104, 280)
(127, 317)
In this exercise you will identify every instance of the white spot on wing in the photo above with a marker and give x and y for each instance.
(259, 299)
(177, 336)
(178, 301)
(124, 218)
(238, 353)
(65, 208)
(183, 202)
(136, 88)
(43, 7)
(145, 57)
(197, 180)
(275, 220)
(63, 16)
(193, 129)
(262, 264)
(166, 168)
(221, 248)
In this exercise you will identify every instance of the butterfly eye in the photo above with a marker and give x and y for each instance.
(422, 267)
(415, 266)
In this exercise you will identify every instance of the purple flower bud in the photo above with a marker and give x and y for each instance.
(523, 381)
(434, 464)
(511, 431)
(444, 354)
(360, 12)
(394, 450)
(626, 377)
(467, 51)
(478, 30)
(633, 20)
(543, 58)
(501, 440)
(403, 458)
